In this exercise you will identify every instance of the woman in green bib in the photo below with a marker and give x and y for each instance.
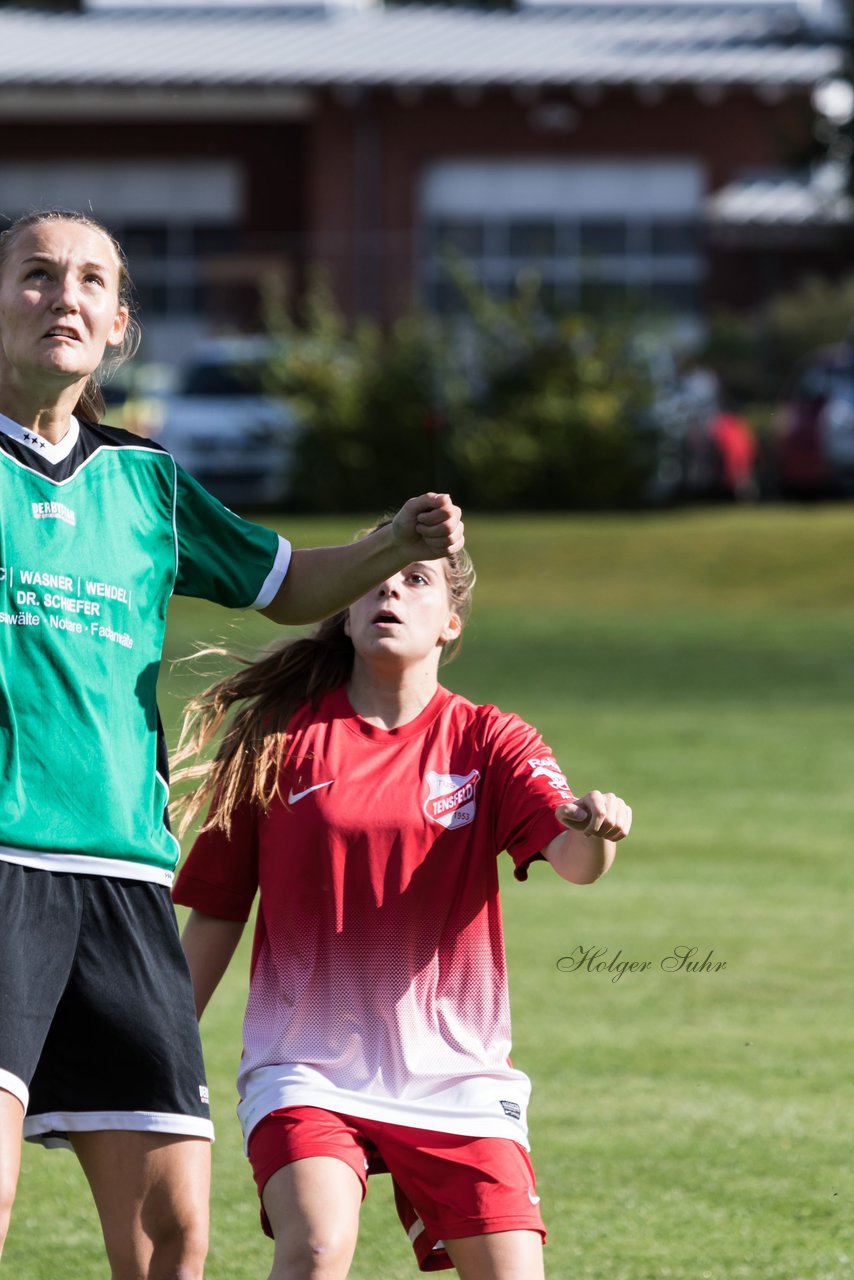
(98, 528)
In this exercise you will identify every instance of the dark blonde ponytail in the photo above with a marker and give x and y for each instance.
(257, 741)
(91, 407)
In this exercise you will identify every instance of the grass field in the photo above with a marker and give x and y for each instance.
(693, 1125)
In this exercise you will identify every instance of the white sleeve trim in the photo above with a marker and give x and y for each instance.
(275, 577)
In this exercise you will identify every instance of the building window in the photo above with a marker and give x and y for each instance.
(169, 216)
(594, 233)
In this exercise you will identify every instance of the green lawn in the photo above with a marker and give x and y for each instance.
(693, 1125)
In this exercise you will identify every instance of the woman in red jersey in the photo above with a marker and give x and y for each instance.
(369, 804)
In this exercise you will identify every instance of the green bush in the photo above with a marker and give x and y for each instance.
(561, 417)
(367, 403)
(503, 405)
(755, 354)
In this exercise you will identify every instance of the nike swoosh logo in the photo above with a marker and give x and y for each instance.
(293, 796)
(533, 1199)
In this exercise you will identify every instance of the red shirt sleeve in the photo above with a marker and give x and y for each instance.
(220, 873)
(529, 786)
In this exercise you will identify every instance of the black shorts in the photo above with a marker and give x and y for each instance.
(97, 1022)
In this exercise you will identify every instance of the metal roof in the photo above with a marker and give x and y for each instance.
(759, 43)
(781, 201)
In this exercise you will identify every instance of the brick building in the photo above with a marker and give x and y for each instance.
(617, 147)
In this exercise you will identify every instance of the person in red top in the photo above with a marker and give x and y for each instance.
(369, 805)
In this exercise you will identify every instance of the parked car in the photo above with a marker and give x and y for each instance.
(223, 427)
(814, 449)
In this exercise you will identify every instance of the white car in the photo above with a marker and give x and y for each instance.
(223, 427)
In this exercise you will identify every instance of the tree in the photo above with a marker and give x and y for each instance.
(503, 404)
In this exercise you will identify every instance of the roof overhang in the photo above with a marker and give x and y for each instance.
(780, 209)
(714, 47)
(54, 102)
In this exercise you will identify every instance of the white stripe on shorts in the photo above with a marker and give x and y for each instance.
(49, 1127)
(14, 1085)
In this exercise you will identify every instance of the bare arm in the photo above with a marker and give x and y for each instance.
(322, 580)
(586, 850)
(209, 942)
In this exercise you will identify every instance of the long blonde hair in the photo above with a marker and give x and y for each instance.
(91, 405)
(258, 701)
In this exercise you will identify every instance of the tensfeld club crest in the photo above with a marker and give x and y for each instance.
(451, 798)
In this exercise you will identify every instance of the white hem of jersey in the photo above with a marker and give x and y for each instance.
(49, 1127)
(275, 577)
(14, 1084)
(37, 444)
(82, 864)
(269, 1096)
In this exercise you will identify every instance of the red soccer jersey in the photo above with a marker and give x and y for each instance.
(378, 984)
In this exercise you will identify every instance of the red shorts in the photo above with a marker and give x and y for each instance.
(446, 1186)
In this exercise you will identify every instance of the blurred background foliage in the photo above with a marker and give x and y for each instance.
(504, 404)
(514, 408)
(755, 353)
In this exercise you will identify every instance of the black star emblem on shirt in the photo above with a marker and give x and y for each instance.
(37, 440)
